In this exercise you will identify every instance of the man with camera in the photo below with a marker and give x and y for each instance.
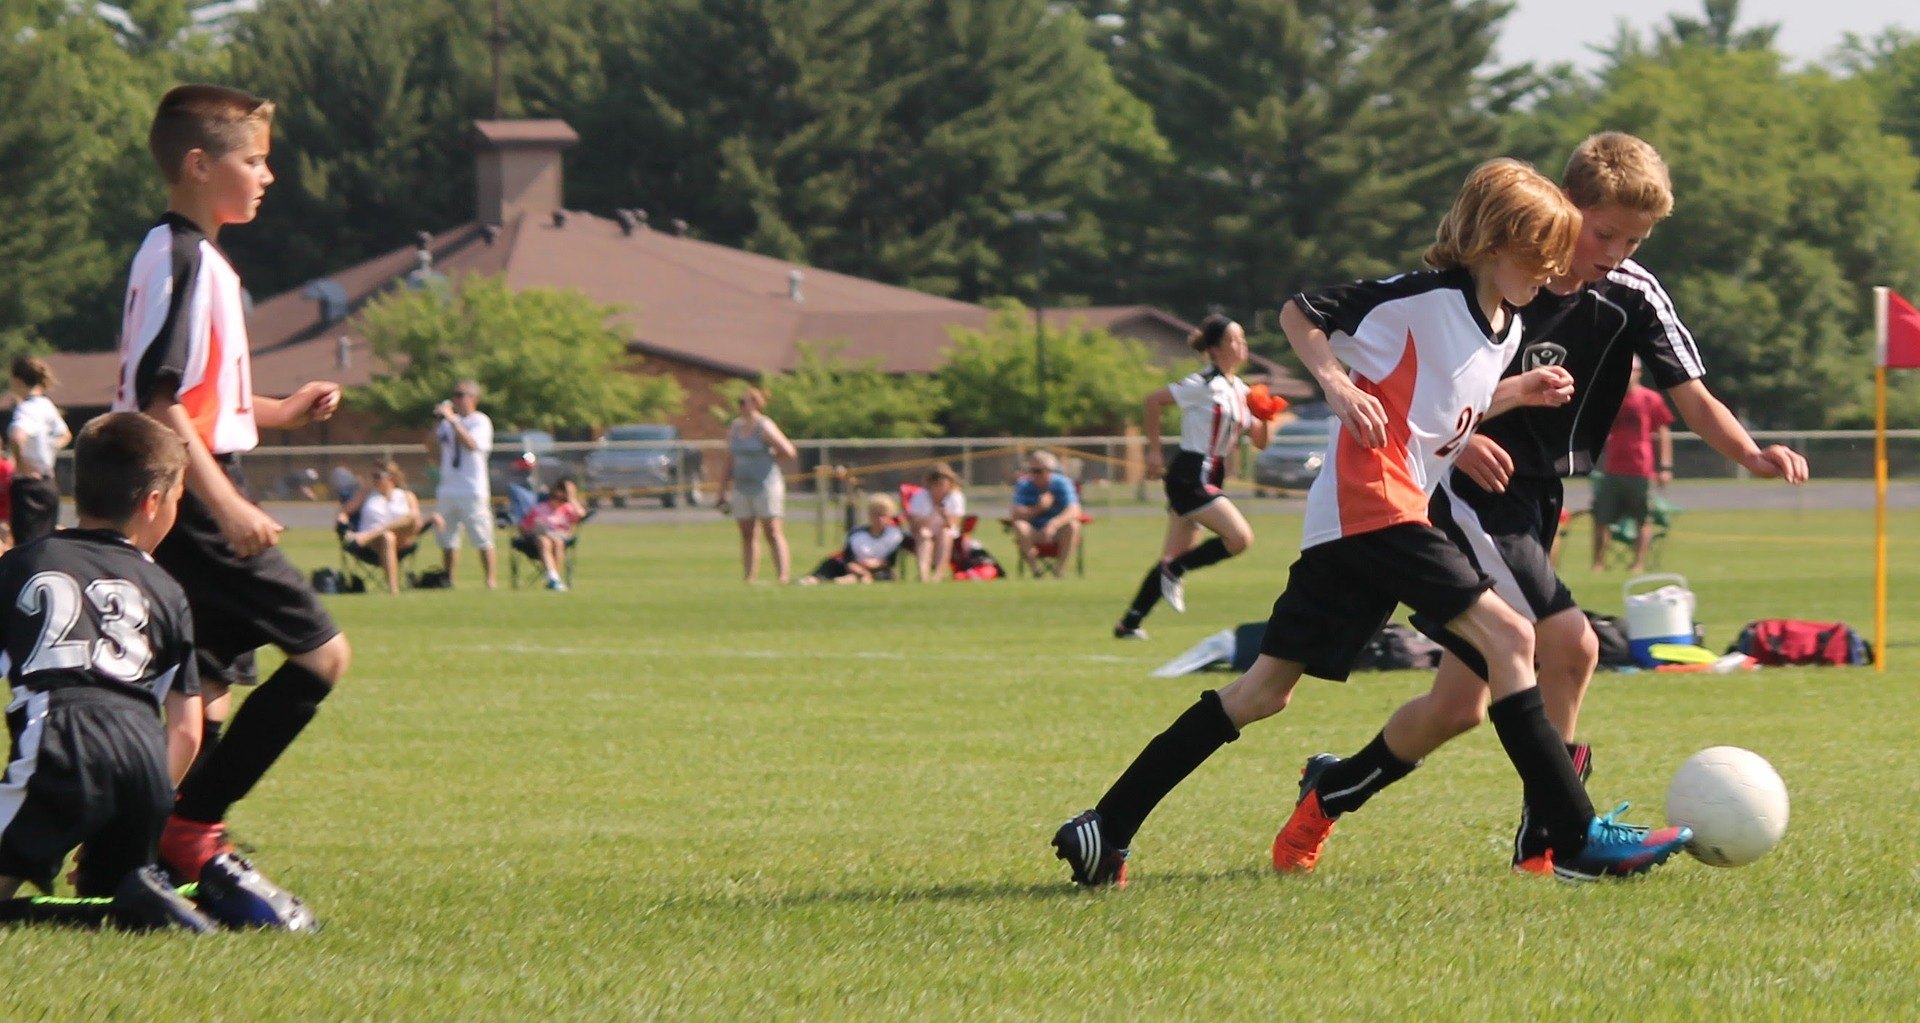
(462, 439)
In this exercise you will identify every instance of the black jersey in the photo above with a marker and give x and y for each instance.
(87, 608)
(1595, 333)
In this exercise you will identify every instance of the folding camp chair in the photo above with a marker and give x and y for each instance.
(1048, 553)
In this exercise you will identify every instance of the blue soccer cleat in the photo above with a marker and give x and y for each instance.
(237, 895)
(1619, 850)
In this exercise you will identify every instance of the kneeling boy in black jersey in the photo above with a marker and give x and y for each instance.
(98, 641)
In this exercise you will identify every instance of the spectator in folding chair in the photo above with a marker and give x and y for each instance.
(547, 531)
(870, 552)
(381, 524)
(936, 518)
(1046, 516)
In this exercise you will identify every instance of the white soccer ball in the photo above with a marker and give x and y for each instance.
(1733, 800)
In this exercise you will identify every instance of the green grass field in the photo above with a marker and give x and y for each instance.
(667, 795)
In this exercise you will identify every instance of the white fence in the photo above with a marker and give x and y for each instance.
(1109, 468)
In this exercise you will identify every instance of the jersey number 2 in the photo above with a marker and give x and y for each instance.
(122, 652)
(1462, 429)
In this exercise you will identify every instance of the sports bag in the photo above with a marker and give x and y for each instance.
(1615, 652)
(1788, 641)
(1396, 647)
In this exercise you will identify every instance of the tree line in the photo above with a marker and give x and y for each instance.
(1201, 154)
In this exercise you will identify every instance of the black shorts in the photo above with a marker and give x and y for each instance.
(240, 604)
(1508, 536)
(36, 507)
(1190, 485)
(85, 765)
(1341, 592)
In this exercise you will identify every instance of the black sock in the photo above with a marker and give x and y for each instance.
(1555, 798)
(86, 912)
(1347, 785)
(1144, 600)
(1165, 763)
(1212, 552)
(265, 725)
(1533, 838)
(209, 741)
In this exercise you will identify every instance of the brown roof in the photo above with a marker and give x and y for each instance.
(679, 298)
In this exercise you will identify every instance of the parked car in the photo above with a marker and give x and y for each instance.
(1294, 454)
(644, 460)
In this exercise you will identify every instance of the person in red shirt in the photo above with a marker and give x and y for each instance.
(1632, 469)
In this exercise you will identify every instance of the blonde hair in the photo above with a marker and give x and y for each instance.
(883, 504)
(1615, 167)
(211, 118)
(1507, 208)
(393, 471)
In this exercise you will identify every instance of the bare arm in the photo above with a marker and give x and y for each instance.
(183, 734)
(1361, 413)
(1663, 444)
(315, 401)
(725, 476)
(1261, 434)
(1548, 385)
(1150, 425)
(777, 440)
(246, 528)
(1705, 415)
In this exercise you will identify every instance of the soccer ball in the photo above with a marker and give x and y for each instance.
(1733, 800)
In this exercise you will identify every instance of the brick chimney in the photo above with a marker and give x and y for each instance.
(519, 167)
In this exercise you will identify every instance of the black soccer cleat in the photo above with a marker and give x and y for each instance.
(237, 895)
(145, 901)
(1083, 844)
(1125, 632)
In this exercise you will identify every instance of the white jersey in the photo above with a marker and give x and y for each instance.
(463, 473)
(37, 417)
(379, 509)
(183, 336)
(953, 507)
(1420, 344)
(1213, 413)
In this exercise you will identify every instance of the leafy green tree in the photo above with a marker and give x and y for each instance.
(1324, 151)
(76, 183)
(548, 359)
(1889, 64)
(1095, 381)
(827, 396)
(1790, 201)
(832, 135)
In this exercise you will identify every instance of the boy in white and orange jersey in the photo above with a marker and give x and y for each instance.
(184, 360)
(1429, 349)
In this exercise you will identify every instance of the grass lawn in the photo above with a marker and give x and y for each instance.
(668, 795)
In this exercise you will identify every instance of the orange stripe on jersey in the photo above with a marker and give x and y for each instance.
(202, 401)
(1377, 488)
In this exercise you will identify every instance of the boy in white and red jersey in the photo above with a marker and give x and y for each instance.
(1429, 349)
(184, 360)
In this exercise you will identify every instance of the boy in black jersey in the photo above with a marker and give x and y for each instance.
(98, 644)
(1502, 502)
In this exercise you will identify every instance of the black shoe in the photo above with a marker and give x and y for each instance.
(1083, 844)
(234, 893)
(145, 901)
(1122, 632)
(1530, 839)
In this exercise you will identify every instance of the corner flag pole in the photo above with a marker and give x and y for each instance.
(1880, 481)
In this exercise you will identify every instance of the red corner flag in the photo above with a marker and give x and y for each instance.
(1900, 337)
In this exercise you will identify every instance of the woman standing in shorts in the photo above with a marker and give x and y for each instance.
(36, 432)
(756, 492)
(1213, 416)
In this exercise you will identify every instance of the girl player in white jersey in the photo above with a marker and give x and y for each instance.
(1213, 416)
